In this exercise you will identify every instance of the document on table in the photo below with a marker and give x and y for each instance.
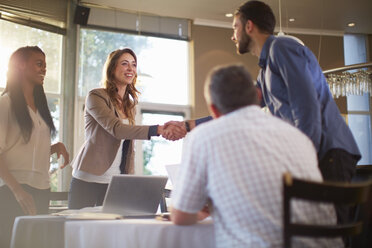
(88, 214)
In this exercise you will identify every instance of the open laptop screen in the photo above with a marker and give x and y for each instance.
(130, 195)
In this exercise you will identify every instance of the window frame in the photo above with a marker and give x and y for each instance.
(366, 113)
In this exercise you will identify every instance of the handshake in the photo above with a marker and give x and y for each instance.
(173, 130)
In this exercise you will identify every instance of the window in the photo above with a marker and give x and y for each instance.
(13, 36)
(163, 80)
(360, 125)
(158, 152)
(359, 107)
(163, 75)
(359, 120)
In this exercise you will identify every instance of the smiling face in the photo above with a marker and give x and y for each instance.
(35, 68)
(126, 69)
(242, 41)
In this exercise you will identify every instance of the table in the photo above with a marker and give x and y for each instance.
(59, 232)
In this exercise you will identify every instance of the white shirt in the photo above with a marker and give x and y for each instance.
(238, 161)
(106, 177)
(28, 162)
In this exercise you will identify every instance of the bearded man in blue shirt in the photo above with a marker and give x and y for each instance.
(294, 89)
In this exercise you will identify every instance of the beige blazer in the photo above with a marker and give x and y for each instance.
(103, 133)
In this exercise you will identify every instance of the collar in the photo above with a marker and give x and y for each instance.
(265, 51)
(249, 109)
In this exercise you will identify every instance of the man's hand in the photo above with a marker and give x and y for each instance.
(172, 131)
(179, 217)
(204, 213)
(182, 124)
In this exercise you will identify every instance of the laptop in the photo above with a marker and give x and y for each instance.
(134, 196)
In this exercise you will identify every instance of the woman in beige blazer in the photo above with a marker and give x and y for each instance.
(110, 131)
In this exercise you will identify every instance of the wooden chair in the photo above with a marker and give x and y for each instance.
(363, 173)
(336, 193)
(60, 197)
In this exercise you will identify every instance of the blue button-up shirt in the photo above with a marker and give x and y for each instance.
(294, 89)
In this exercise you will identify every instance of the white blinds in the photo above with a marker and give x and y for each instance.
(50, 13)
(168, 27)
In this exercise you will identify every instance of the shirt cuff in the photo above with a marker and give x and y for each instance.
(153, 131)
(202, 120)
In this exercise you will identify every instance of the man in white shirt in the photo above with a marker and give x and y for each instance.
(236, 163)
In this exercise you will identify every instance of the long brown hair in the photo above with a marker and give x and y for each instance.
(18, 102)
(130, 98)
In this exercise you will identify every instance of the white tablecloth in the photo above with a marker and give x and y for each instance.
(137, 233)
(59, 232)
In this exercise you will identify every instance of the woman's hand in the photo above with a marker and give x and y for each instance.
(60, 149)
(26, 201)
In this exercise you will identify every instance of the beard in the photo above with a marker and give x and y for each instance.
(244, 44)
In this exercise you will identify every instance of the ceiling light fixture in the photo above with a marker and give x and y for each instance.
(351, 24)
(229, 15)
(292, 19)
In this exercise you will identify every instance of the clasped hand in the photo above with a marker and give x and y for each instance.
(173, 130)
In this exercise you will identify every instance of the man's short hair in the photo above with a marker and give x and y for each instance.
(229, 88)
(259, 13)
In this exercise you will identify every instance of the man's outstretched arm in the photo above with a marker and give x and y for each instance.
(189, 124)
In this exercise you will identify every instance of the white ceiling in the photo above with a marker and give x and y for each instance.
(329, 16)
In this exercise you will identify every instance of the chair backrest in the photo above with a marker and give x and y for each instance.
(329, 192)
(363, 173)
